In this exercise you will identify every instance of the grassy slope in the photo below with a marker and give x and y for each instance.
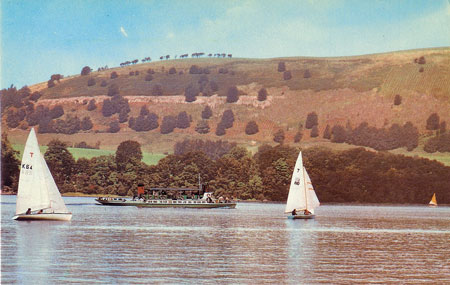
(340, 90)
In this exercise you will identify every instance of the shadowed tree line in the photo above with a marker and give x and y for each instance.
(354, 175)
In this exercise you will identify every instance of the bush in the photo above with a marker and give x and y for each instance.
(148, 77)
(50, 84)
(131, 73)
(150, 71)
(232, 94)
(172, 70)
(194, 69)
(227, 119)
(91, 82)
(114, 75)
(311, 120)
(113, 90)
(35, 96)
(281, 67)
(86, 124)
(223, 70)
(279, 136)
(314, 132)
(287, 75)
(206, 113)
(421, 60)
(183, 121)
(397, 100)
(251, 128)
(104, 83)
(190, 93)
(168, 124)
(298, 137)
(220, 130)
(91, 106)
(262, 94)
(114, 127)
(86, 70)
(327, 133)
(433, 122)
(202, 127)
(56, 112)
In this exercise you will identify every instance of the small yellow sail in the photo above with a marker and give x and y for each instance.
(433, 200)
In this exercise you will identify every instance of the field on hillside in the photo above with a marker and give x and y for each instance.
(148, 158)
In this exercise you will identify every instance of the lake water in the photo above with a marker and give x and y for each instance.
(252, 244)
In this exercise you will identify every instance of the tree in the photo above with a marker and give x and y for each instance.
(207, 112)
(148, 77)
(202, 127)
(168, 124)
(314, 132)
(86, 70)
(123, 116)
(433, 122)
(191, 93)
(311, 120)
(113, 89)
(397, 100)
(56, 112)
(128, 152)
(183, 121)
(91, 106)
(232, 94)
(251, 128)
(287, 75)
(327, 133)
(10, 164)
(114, 75)
(298, 137)
(421, 60)
(114, 127)
(262, 94)
(172, 70)
(86, 124)
(220, 130)
(279, 136)
(281, 66)
(60, 161)
(338, 134)
(50, 83)
(104, 83)
(227, 119)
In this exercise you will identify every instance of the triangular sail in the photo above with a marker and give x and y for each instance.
(296, 197)
(433, 201)
(37, 189)
(312, 201)
(32, 192)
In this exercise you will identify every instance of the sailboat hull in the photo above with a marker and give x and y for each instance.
(301, 217)
(44, 217)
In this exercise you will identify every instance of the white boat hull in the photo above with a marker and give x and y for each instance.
(44, 217)
(301, 217)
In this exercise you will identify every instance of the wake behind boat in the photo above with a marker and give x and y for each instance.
(38, 197)
(302, 199)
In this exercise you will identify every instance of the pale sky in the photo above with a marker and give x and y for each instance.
(40, 38)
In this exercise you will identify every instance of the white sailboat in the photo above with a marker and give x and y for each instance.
(38, 197)
(302, 199)
(433, 202)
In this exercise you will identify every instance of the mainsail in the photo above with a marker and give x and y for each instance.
(301, 192)
(37, 189)
(433, 201)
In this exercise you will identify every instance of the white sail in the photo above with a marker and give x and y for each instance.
(301, 192)
(32, 192)
(37, 188)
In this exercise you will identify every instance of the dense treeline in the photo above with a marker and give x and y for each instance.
(355, 175)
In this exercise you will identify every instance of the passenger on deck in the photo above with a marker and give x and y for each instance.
(28, 211)
(307, 212)
(294, 212)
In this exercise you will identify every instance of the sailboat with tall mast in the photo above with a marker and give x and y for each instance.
(38, 197)
(302, 199)
(433, 202)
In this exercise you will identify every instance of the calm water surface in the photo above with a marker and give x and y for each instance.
(252, 244)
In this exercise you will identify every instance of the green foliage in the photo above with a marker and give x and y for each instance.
(213, 149)
(60, 161)
(10, 164)
(128, 152)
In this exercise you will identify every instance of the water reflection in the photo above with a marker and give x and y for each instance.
(254, 243)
